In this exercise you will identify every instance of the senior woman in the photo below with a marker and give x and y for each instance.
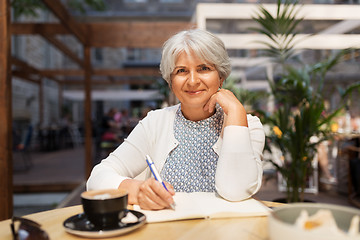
(206, 143)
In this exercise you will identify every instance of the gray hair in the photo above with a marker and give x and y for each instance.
(203, 44)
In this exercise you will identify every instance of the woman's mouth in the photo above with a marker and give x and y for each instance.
(194, 92)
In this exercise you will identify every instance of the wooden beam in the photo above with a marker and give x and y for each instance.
(38, 28)
(109, 82)
(134, 34)
(24, 66)
(130, 71)
(67, 20)
(63, 48)
(6, 165)
(28, 69)
(87, 118)
(61, 72)
(24, 75)
(112, 34)
(47, 31)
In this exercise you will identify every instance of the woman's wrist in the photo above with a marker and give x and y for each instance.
(237, 117)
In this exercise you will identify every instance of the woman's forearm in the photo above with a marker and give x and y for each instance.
(239, 168)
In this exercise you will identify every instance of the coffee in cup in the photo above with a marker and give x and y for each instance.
(105, 208)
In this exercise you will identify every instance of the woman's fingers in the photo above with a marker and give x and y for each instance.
(152, 195)
(170, 188)
(225, 98)
(235, 111)
(210, 105)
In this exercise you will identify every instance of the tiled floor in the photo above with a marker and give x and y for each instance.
(67, 167)
(51, 168)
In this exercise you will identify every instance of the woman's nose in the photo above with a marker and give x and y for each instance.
(193, 78)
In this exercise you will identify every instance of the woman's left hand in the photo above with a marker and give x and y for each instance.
(235, 111)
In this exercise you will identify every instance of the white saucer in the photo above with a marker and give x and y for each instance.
(80, 225)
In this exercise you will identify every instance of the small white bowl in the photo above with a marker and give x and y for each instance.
(282, 222)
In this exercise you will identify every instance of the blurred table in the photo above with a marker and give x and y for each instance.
(252, 228)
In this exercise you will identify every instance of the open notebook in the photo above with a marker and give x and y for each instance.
(205, 205)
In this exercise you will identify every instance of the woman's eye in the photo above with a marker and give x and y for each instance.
(204, 68)
(181, 70)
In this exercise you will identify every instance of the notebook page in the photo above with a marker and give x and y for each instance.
(186, 208)
(205, 205)
(216, 207)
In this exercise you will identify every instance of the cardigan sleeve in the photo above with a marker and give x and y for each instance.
(127, 161)
(151, 136)
(239, 168)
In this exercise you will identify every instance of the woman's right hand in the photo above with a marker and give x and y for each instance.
(152, 195)
(148, 194)
(233, 108)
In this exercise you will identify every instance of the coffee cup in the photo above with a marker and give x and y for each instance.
(105, 208)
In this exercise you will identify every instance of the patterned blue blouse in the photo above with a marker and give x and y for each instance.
(191, 166)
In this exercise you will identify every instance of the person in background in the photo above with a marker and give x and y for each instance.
(64, 130)
(110, 128)
(206, 143)
(125, 123)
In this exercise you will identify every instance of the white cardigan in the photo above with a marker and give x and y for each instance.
(239, 168)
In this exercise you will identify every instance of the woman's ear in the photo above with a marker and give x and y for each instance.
(170, 86)
(221, 82)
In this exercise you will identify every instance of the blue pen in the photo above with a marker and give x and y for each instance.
(156, 175)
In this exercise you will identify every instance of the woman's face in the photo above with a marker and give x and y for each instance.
(194, 81)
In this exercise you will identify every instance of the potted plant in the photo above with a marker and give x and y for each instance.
(246, 97)
(299, 122)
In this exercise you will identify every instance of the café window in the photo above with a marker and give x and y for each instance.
(143, 54)
(98, 53)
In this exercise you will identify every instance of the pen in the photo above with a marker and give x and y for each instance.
(157, 175)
